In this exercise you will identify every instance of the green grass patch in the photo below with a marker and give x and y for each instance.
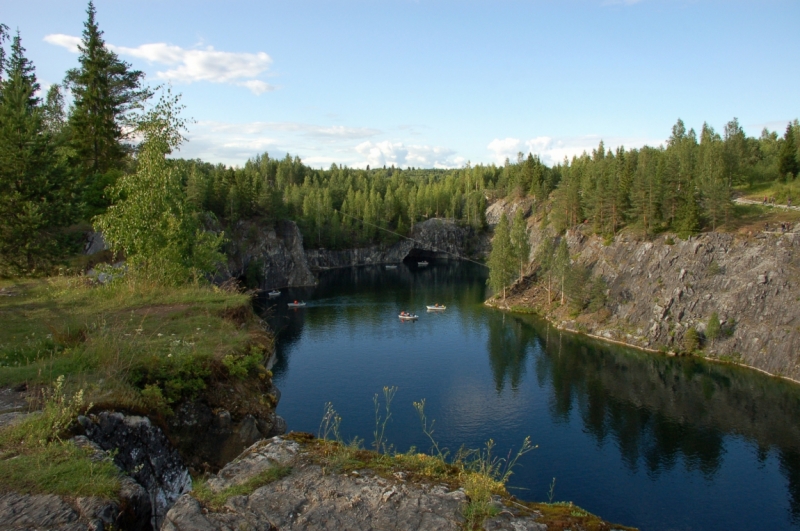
(34, 457)
(117, 340)
(58, 468)
(217, 500)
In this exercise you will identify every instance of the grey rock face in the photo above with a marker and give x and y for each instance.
(311, 500)
(143, 451)
(433, 238)
(94, 243)
(657, 291)
(272, 255)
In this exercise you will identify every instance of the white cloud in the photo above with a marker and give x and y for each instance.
(191, 65)
(506, 148)
(378, 154)
(65, 41)
(553, 151)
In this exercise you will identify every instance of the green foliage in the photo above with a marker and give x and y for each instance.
(35, 458)
(241, 365)
(691, 340)
(597, 294)
(502, 265)
(150, 221)
(788, 163)
(520, 243)
(105, 92)
(34, 185)
(713, 328)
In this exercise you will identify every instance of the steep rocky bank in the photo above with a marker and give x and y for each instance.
(659, 289)
(266, 255)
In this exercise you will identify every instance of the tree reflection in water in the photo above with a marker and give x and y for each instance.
(658, 410)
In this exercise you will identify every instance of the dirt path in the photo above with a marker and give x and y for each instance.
(742, 201)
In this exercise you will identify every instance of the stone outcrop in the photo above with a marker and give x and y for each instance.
(433, 238)
(313, 500)
(508, 207)
(143, 452)
(267, 255)
(48, 512)
(659, 289)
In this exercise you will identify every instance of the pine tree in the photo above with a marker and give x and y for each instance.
(502, 266)
(34, 191)
(105, 91)
(519, 240)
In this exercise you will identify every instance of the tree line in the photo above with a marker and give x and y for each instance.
(685, 186)
(56, 163)
(67, 159)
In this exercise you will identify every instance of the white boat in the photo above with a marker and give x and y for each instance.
(296, 304)
(408, 317)
(436, 308)
(422, 264)
(391, 267)
(274, 293)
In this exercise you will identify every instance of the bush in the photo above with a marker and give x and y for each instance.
(713, 327)
(691, 341)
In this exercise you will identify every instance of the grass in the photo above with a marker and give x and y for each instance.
(751, 218)
(139, 348)
(115, 341)
(35, 458)
(217, 500)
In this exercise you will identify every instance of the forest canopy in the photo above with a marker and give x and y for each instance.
(66, 157)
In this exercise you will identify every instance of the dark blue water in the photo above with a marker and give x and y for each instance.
(640, 439)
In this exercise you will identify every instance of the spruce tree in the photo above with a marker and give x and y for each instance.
(519, 240)
(105, 91)
(34, 191)
(787, 159)
(502, 267)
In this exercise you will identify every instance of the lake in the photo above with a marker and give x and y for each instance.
(646, 440)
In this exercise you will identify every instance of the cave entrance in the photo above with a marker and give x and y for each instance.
(416, 255)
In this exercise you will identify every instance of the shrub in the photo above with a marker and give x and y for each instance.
(691, 340)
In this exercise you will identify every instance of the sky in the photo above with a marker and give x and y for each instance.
(439, 83)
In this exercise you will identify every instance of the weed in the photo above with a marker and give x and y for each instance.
(380, 422)
(217, 500)
(551, 490)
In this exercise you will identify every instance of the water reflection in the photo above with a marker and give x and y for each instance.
(646, 425)
(660, 411)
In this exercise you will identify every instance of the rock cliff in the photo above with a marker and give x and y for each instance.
(433, 238)
(266, 256)
(659, 289)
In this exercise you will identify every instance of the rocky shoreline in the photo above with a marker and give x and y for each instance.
(658, 290)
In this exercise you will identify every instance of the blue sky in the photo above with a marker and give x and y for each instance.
(440, 82)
